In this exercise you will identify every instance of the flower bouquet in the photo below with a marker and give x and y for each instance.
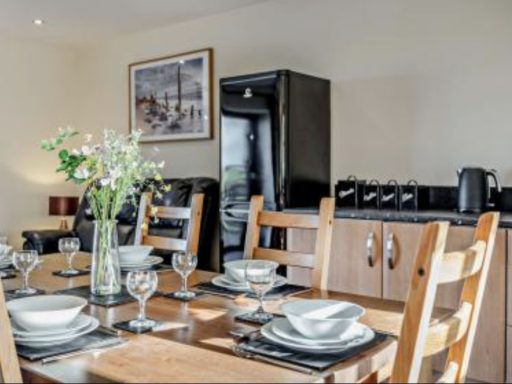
(112, 171)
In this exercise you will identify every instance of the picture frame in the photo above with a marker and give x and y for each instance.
(171, 98)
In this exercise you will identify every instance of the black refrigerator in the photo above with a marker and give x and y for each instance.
(275, 141)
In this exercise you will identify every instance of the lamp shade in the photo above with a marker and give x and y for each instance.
(63, 206)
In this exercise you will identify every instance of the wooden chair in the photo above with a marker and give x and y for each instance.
(193, 214)
(418, 338)
(323, 223)
(9, 364)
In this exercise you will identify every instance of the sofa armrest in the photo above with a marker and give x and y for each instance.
(44, 241)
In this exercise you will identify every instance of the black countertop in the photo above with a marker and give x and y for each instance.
(422, 216)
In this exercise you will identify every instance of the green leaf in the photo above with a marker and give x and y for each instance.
(64, 155)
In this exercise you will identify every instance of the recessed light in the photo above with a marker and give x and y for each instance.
(38, 22)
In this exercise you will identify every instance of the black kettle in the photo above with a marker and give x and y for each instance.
(474, 190)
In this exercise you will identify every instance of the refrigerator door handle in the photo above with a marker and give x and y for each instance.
(224, 210)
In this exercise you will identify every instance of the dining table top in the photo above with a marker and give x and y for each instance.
(194, 343)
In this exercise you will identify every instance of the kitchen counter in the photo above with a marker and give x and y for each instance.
(423, 216)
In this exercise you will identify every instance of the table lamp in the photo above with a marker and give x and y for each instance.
(63, 206)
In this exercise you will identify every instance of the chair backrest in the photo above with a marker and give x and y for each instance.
(418, 338)
(9, 364)
(193, 214)
(322, 223)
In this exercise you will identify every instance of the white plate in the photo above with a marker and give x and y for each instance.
(80, 323)
(366, 335)
(283, 328)
(223, 282)
(150, 261)
(53, 340)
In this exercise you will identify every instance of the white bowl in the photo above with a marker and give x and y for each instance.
(320, 319)
(5, 250)
(41, 313)
(134, 254)
(235, 270)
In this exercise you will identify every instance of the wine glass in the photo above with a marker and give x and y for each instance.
(184, 263)
(25, 262)
(261, 276)
(69, 246)
(142, 285)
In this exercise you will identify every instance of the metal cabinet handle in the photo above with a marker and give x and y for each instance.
(370, 249)
(390, 251)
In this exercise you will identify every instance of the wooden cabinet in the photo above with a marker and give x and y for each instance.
(356, 256)
(509, 354)
(509, 281)
(393, 247)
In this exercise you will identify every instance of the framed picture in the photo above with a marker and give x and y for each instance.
(171, 97)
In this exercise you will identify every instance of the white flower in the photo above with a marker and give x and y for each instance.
(88, 138)
(86, 150)
(105, 181)
(82, 173)
(161, 165)
(76, 152)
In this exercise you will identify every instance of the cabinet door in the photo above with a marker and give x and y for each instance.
(509, 355)
(400, 245)
(509, 281)
(400, 242)
(356, 256)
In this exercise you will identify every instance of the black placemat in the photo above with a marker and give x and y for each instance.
(81, 272)
(248, 317)
(274, 294)
(318, 362)
(173, 296)
(12, 294)
(82, 342)
(125, 326)
(6, 274)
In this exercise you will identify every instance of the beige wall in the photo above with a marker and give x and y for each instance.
(419, 87)
(37, 95)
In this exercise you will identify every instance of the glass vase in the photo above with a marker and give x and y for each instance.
(105, 271)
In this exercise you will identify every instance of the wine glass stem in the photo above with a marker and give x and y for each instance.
(70, 261)
(24, 281)
(260, 308)
(184, 283)
(142, 310)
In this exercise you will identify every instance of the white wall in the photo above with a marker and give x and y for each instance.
(419, 87)
(37, 95)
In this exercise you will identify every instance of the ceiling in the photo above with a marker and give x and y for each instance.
(85, 21)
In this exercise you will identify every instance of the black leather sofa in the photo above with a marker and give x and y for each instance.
(180, 195)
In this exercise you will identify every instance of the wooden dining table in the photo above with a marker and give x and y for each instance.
(194, 343)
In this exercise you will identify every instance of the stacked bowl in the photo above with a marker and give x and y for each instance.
(318, 326)
(137, 257)
(5, 256)
(49, 320)
(234, 277)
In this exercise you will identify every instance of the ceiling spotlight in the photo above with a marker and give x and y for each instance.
(38, 22)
